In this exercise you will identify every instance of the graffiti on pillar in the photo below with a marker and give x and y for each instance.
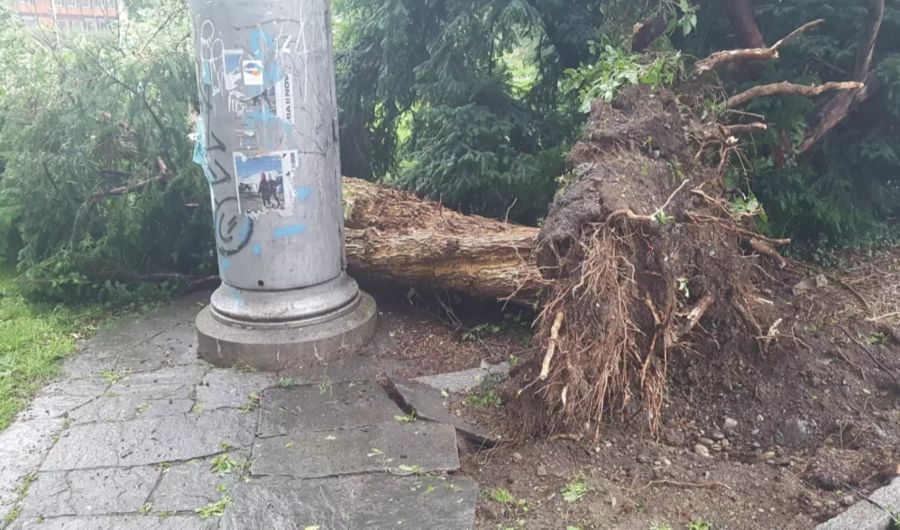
(233, 230)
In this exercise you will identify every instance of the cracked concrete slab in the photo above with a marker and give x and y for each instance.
(400, 448)
(90, 492)
(121, 408)
(223, 388)
(118, 522)
(324, 407)
(175, 346)
(22, 448)
(58, 399)
(150, 440)
(186, 486)
(354, 503)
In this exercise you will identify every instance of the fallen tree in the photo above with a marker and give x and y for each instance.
(641, 261)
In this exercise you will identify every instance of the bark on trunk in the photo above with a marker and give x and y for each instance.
(740, 13)
(393, 235)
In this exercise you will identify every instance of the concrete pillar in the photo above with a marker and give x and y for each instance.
(267, 140)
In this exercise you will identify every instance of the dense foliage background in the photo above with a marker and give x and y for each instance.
(473, 102)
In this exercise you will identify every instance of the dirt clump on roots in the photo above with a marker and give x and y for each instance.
(647, 263)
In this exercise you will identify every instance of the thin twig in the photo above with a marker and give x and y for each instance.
(868, 351)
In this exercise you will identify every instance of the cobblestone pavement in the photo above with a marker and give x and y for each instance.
(140, 434)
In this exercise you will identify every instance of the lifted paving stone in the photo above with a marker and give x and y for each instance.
(306, 409)
(90, 492)
(428, 403)
(150, 440)
(419, 447)
(375, 502)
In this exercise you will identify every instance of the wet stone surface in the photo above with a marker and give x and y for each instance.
(139, 434)
(402, 448)
(324, 407)
(357, 503)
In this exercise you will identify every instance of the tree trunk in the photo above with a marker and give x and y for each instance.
(393, 235)
(740, 12)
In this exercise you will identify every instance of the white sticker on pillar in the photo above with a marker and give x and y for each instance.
(233, 60)
(253, 73)
(265, 183)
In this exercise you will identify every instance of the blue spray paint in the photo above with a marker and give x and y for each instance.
(303, 193)
(288, 231)
(225, 264)
(257, 250)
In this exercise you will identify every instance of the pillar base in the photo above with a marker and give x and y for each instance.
(272, 347)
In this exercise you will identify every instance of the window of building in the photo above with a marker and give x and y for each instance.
(85, 3)
(62, 24)
(90, 24)
(72, 3)
(77, 25)
(29, 22)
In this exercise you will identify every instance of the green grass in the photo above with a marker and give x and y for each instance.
(34, 339)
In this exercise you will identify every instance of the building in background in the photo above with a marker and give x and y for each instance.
(69, 15)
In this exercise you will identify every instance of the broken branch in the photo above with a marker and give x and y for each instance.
(790, 88)
(750, 54)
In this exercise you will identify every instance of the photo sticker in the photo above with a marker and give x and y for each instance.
(265, 182)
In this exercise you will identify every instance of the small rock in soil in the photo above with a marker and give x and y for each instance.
(847, 500)
(768, 455)
(665, 461)
(795, 432)
(718, 435)
(730, 424)
(541, 471)
(705, 441)
(701, 450)
(518, 457)
(643, 459)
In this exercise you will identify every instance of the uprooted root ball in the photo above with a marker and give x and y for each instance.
(648, 264)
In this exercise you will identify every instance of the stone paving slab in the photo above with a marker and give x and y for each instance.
(222, 388)
(60, 398)
(419, 446)
(150, 440)
(324, 407)
(118, 522)
(353, 368)
(128, 439)
(465, 380)
(90, 492)
(186, 486)
(375, 502)
(22, 448)
(429, 403)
